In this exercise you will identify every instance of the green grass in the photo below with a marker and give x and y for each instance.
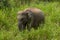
(50, 30)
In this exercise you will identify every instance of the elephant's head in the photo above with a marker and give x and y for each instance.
(23, 18)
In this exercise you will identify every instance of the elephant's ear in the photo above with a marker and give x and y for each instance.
(29, 14)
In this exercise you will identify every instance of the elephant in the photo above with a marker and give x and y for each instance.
(30, 18)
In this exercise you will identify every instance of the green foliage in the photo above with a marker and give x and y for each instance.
(50, 30)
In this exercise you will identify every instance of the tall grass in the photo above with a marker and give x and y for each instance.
(50, 30)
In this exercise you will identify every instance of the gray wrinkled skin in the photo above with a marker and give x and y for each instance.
(30, 17)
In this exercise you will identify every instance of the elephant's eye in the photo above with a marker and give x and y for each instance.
(22, 19)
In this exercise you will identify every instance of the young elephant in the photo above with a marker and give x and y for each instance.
(30, 17)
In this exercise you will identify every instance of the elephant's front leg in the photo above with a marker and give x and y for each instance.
(21, 26)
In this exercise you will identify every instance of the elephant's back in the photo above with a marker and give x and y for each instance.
(34, 10)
